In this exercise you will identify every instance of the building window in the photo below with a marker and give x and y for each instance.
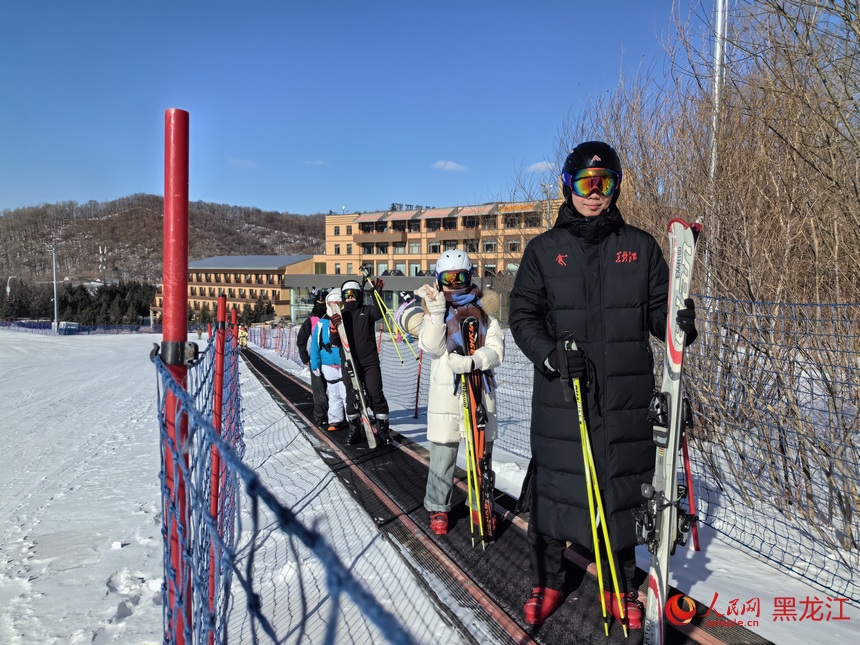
(470, 222)
(349, 249)
(382, 248)
(380, 227)
(381, 268)
(337, 249)
(349, 230)
(337, 268)
(349, 268)
(513, 246)
(337, 230)
(398, 226)
(434, 247)
(450, 245)
(489, 247)
(414, 248)
(449, 223)
(512, 221)
(366, 227)
(488, 222)
(415, 227)
(532, 220)
(434, 224)
(367, 248)
(319, 268)
(400, 248)
(414, 268)
(400, 266)
(489, 270)
(470, 246)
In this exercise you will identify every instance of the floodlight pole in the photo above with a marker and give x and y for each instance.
(8, 287)
(548, 213)
(56, 325)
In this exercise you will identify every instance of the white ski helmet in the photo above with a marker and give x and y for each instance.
(352, 285)
(451, 261)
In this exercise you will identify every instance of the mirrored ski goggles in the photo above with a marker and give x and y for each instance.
(586, 181)
(455, 279)
(355, 294)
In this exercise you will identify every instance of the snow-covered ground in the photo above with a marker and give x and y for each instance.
(80, 544)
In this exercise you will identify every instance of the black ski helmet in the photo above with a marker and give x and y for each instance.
(591, 154)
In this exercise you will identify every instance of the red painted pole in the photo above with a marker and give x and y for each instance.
(175, 330)
(217, 404)
(691, 494)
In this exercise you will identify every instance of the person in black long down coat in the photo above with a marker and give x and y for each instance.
(318, 385)
(605, 281)
(360, 320)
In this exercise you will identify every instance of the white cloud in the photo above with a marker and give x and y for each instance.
(244, 163)
(449, 166)
(541, 166)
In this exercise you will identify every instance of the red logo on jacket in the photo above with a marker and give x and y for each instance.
(560, 259)
(625, 256)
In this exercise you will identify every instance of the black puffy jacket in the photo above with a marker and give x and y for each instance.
(360, 322)
(607, 282)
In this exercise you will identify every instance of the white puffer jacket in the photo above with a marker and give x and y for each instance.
(445, 408)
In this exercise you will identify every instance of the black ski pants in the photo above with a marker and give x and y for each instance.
(318, 386)
(546, 555)
(371, 376)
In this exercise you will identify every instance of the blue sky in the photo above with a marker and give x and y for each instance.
(308, 106)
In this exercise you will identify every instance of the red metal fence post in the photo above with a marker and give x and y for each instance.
(175, 330)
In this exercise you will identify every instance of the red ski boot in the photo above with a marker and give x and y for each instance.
(439, 522)
(633, 609)
(542, 603)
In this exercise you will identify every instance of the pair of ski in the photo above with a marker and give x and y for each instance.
(480, 478)
(357, 386)
(661, 523)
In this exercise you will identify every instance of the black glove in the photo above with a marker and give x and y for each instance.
(576, 366)
(686, 321)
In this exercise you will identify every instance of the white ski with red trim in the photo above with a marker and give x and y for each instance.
(662, 523)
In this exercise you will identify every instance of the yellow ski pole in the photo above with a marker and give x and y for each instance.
(589, 486)
(593, 491)
(471, 463)
(387, 312)
(592, 469)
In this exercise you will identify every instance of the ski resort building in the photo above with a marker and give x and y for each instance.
(400, 246)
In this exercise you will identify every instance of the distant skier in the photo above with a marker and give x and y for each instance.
(606, 282)
(359, 323)
(243, 336)
(327, 365)
(303, 338)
